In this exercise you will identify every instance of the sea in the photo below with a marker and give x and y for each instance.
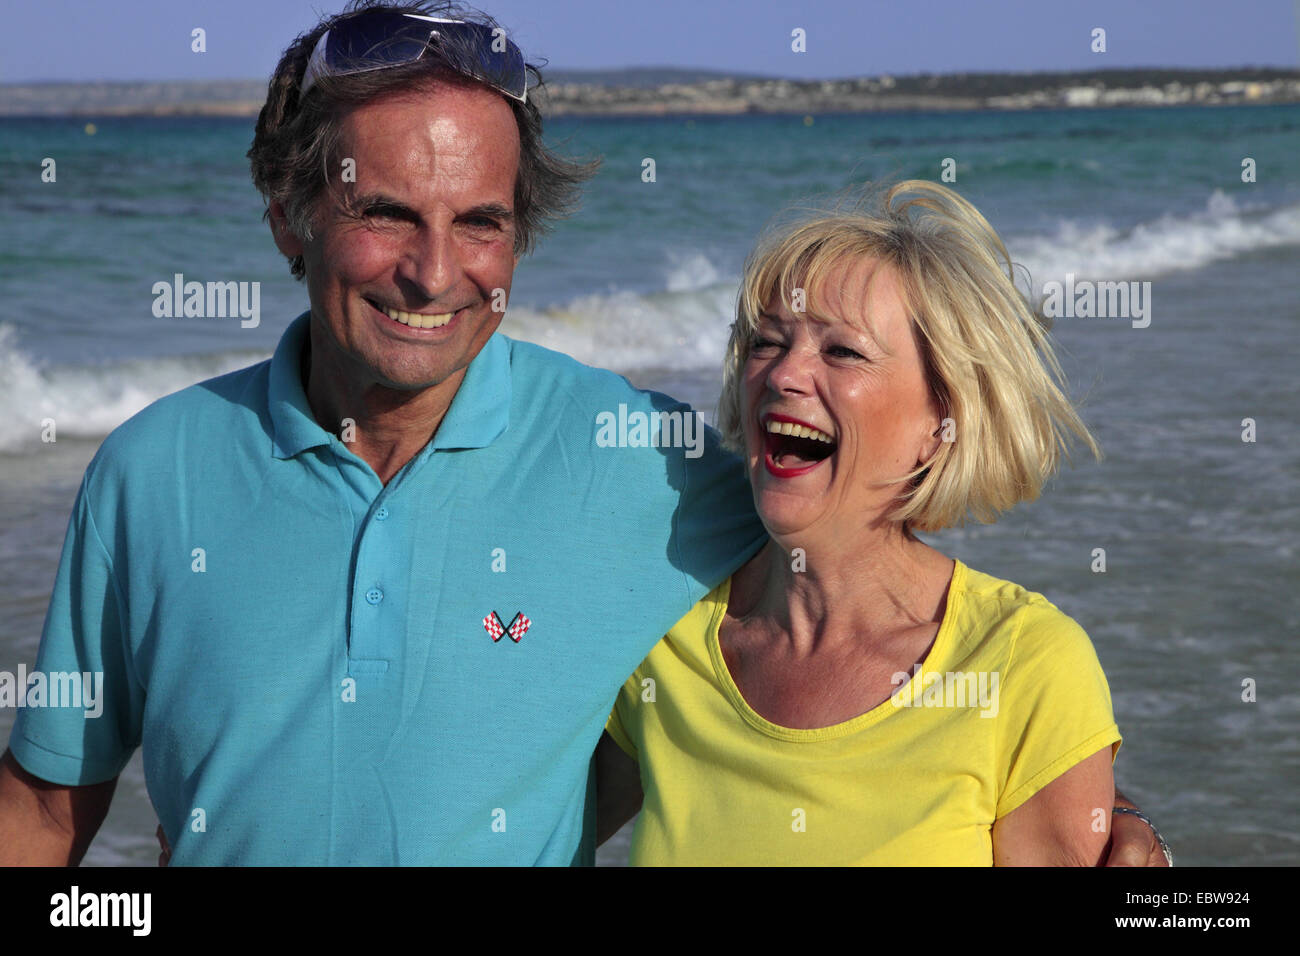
(1194, 509)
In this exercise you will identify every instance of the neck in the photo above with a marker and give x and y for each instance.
(846, 587)
(383, 426)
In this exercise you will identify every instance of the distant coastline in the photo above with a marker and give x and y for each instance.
(667, 92)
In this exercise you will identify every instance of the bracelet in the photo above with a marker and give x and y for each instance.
(1164, 847)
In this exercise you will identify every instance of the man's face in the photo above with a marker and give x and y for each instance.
(403, 291)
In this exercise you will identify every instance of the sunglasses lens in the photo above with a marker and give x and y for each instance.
(379, 38)
(480, 52)
(375, 39)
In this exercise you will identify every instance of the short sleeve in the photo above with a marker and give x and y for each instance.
(83, 723)
(1055, 706)
(615, 726)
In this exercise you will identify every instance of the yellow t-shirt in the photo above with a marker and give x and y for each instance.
(1010, 697)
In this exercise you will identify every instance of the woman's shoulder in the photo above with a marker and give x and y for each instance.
(1026, 623)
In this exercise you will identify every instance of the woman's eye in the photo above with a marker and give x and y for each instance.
(843, 351)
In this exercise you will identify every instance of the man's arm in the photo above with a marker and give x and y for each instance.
(1133, 843)
(618, 788)
(46, 824)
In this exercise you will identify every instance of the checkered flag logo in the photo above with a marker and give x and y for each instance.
(517, 628)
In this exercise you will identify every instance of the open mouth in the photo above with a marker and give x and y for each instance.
(794, 448)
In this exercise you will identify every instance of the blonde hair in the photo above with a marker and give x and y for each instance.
(985, 351)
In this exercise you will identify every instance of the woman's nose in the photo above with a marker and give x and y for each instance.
(792, 371)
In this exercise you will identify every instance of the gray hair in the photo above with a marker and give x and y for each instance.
(297, 136)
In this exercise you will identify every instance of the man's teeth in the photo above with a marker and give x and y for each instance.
(798, 431)
(417, 321)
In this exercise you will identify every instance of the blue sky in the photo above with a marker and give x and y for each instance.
(150, 39)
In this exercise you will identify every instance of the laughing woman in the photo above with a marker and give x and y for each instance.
(852, 695)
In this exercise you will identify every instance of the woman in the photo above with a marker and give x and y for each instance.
(852, 695)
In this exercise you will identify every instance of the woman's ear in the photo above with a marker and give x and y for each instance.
(939, 428)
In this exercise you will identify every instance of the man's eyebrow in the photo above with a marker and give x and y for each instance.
(495, 210)
(367, 201)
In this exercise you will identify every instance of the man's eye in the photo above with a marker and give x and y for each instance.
(483, 222)
(383, 212)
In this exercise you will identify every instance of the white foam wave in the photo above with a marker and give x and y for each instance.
(1171, 243)
(683, 328)
(689, 271)
(625, 331)
(90, 401)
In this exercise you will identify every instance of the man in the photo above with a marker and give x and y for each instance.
(370, 602)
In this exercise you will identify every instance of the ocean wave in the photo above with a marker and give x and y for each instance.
(90, 401)
(1171, 243)
(684, 328)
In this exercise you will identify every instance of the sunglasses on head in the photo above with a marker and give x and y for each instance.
(379, 39)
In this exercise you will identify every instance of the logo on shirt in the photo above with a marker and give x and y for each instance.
(517, 628)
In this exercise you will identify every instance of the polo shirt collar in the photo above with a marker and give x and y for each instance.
(479, 412)
(293, 427)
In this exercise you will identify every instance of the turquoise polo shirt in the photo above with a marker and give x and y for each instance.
(324, 670)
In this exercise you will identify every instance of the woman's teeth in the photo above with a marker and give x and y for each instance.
(417, 321)
(798, 431)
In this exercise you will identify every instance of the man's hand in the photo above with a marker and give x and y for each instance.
(46, 824)
(1132, 842)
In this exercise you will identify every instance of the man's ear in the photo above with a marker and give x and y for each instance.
(285, 240)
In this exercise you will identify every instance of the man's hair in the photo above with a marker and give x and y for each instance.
(294, 147)
(985, 351)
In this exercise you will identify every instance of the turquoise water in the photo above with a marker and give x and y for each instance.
(1199, 527)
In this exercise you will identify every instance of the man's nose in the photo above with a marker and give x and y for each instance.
(431, 262)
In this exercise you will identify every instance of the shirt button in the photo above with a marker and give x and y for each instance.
(381, 514)
(374, 596)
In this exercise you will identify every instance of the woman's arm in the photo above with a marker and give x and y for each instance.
(618, 788)
(1067, 823)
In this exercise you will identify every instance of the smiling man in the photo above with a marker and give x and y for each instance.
(370, 601)
(411, 268)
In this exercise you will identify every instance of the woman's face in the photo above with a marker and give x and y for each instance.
(859, 383)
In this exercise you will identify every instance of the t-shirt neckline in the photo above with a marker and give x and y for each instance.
(854, 724)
